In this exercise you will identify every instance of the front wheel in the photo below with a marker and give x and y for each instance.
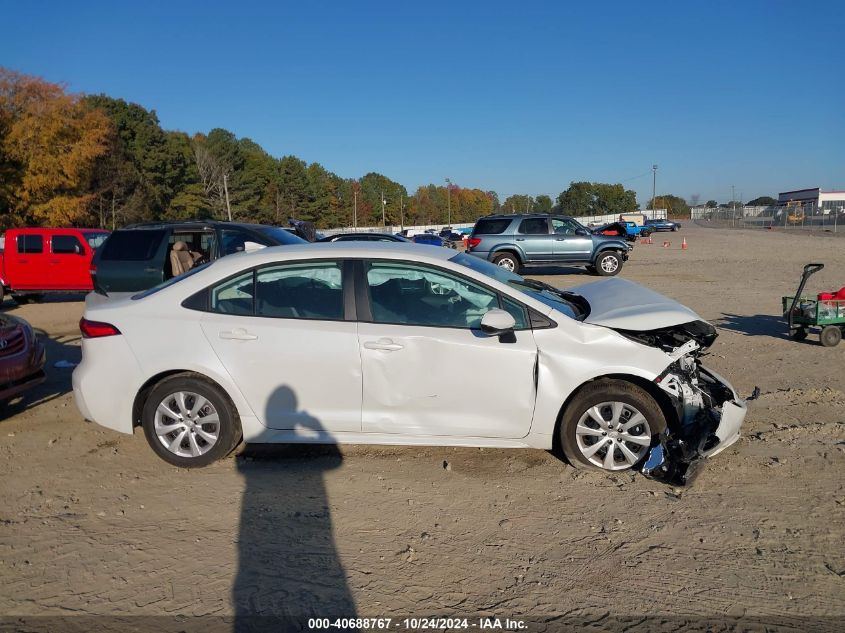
(799, 334)
(610, 425)
(608, 264)
(189, 421)
(508, 261)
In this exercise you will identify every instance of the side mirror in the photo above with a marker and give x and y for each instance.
(496, 322)
(582, 232)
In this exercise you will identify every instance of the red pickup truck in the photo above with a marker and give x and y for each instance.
(39, 260)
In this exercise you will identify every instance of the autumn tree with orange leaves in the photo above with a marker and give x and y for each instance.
(49, 142)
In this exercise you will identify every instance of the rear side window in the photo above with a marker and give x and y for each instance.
(133, 246)
(234, 296)
(30, 244)
(534, 226)
(66, 244)
(491, 226)
(300, 291)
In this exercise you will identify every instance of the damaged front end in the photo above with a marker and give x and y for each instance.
(708, 412)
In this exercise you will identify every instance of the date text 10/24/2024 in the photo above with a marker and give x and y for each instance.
(418, 624)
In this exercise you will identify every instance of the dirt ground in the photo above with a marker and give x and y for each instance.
(91, 522)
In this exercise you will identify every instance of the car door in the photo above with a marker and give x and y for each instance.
(427, 368)
(68, 262)
(533, 237)
(26, 266)
(569, 245)
(284, 335)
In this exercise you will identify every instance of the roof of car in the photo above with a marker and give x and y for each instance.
(188, 223)
(524, 215)
(336, 250)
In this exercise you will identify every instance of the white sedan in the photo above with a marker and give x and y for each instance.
(403, 344)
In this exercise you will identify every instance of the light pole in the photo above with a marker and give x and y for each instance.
(383, 201)
(653, 186)
(449, 202)
(355, 208)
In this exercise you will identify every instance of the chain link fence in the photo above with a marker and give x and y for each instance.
(794, 217)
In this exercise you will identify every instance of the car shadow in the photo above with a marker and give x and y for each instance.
(754, 325)
(63, 350)
(288, 566)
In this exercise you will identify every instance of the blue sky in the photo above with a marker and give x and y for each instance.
(517, 97)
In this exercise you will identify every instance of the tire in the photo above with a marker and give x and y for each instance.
(508, 261)
(799, 334)
(195, 449)
(2, 294)
(608, 264)
(590, 269)
(674, 228)
(830, 336)
(618, 402)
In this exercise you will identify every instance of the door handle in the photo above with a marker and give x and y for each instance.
(520, 239)
(560, 239)
(238, 334)
(151, 270)
(384, 345)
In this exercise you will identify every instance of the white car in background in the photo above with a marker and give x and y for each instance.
(371, 343)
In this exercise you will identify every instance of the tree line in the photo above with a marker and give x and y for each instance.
(96, 160)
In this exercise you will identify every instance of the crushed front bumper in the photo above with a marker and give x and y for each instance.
(679, 454)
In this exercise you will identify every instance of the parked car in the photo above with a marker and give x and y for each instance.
(432, 240)
(40, 260)
(141, 256)
(365, 237)
(22, 357)
(621, 229)
(325, 343)
(662, 225)
(514, 241)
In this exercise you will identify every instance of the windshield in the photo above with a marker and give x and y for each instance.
(171, 281)
(281, 236)
(568, 303)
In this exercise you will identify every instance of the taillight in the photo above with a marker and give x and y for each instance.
(474, 241)
(96, 329)
(92, 269)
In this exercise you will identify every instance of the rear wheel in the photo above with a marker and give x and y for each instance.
(830, 336)
(189, 421)
(508, 261)
(608, 264)
(610, 425)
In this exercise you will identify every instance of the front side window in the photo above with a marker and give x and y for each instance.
(312, 290)
(409, 294)
(565, 227)
(534, 226)
(30, 244)
(66, 244)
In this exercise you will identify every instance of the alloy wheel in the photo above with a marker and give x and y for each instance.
(609, 264)
(187, 424)
(613, 435)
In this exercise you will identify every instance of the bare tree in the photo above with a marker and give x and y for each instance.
(214, 175)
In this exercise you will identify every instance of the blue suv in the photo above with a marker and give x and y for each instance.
(514, 241)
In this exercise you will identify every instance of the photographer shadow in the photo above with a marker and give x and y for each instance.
(288, 566)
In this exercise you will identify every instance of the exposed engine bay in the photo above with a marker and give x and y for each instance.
(708, 410)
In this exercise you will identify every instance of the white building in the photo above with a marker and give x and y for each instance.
(815, 201)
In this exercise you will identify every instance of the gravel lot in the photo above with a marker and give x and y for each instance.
(91, 522)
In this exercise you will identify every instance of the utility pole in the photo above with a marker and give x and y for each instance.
(226, 191)
(449, 201)
(653, 186)
(383, 201)
(355, 208)
(401, 212)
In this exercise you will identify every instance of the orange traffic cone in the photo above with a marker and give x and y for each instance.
(684, 245)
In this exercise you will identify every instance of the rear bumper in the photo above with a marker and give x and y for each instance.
(678, 456)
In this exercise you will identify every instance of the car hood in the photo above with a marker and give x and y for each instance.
(625, 305)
